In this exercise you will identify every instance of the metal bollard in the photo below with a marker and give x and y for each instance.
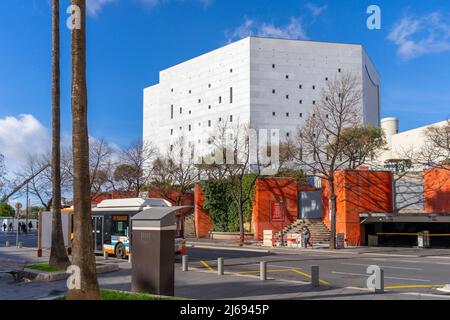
(129, 258)
(105, 255)
(263, 270)
(7, 244)
(220, 266)
(184, 262)
(315, 276)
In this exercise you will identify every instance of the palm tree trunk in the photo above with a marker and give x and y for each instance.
(58, 254)
(83, 254)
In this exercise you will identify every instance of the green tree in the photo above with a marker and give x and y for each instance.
(6, 210)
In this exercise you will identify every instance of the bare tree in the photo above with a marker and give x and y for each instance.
(174, 174)
(3, 179)
(39, 185)
(237, 149)
(320, 145)
(137, 158)
(99, 160)
(436, 150)
(83, 254)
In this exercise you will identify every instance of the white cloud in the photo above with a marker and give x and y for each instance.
(315, 10)
(22, 136)
(293, 30)
(418, 36)
(94, 7)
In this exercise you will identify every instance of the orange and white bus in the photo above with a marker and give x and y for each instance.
(111, 224)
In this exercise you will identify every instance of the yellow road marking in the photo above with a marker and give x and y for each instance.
(257, 271)
(206, 265)
(309, 276)
(415, 286)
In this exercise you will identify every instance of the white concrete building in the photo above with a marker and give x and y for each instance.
(400, 145)
(267, 83)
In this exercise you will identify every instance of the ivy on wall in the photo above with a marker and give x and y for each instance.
(222, 208)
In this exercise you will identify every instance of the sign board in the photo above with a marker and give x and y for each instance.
(340, 238)
(268, 238)
(294, 240)
(276, 211)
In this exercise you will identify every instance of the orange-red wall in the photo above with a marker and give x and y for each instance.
(437, 190)
(357, 192)
(203, 223)
(274, 189)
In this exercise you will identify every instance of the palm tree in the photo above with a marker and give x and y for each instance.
(58, 254)
(83, 255)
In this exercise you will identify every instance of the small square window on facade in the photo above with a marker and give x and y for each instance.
(190, 111)
(231, 118)
(209, 123)
(287, 114)
(314, 101)
(220, 119)
(273, 113)
(287, 134)
(287, 96)
(171, 90)
(273, 91)
(273, 66)
(339, 70)
(190, 91)
(314, 87)
(209, 107)
(171, 132)
(181, 128)
(189, 128)
(171, 111)
(326, 79)
(171, 147)
(209, 85)
(231, 95)
(231, 70)
(287, 76)
(300, 86)
(300, 101)
(314, 115)
(199, 100)
(181, 110)
(220, 99)
(301, 115)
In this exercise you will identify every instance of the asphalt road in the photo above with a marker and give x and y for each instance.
(401, 271)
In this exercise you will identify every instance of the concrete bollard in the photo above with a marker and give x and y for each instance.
(7, 244)
(220, 270)
(184, 262)
(129, 258)
(263, 270)
(20, 245)
(105, 255)
(379, 282)
(315, 276)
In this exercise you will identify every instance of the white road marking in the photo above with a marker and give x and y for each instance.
(366, 275)
(391, 255)
(388, 267)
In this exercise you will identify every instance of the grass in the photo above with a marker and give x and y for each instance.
(124, 295)
(46, 268)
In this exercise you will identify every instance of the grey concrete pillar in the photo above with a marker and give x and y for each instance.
(7, 244)
(220, 270)
(105, 255)
(263, 270)
(184, 262)
(315, 276)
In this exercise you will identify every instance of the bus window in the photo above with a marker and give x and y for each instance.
(119, 226)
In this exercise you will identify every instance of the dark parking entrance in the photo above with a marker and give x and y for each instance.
(400, 230)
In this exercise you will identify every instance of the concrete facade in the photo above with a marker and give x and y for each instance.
(266, 83)
(401, 144)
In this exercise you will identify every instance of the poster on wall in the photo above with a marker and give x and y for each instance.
(276, 211)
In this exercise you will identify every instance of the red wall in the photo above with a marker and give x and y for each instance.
(437, 190)
(203, 223)
(357, 192)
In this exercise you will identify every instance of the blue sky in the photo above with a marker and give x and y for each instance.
(129, 41)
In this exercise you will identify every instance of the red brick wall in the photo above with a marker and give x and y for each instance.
(437, 190)
(357, 192)
(203, 223)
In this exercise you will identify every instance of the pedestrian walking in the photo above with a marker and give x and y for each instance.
(24, 228)
(307, 236)
(30, 226)
(10, 228)
(4, 226)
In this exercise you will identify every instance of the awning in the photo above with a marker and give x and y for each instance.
(372, 217)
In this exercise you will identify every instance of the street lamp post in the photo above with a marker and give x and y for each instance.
(18, 206)
(282, 223)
